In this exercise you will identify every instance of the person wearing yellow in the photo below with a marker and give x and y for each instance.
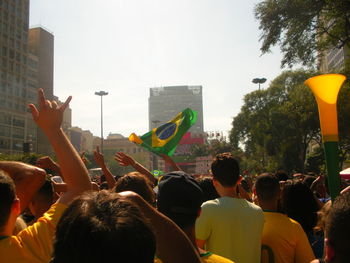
(180, 197)
(230, 226)
(283, 239)
(19, 182)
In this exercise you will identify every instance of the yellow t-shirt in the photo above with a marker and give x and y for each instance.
(212, 258)
(34, 243)
(231, 228)
(207, 257)
(285, 240)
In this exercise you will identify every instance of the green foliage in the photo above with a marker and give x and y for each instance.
(25, 158)
(276, 125)
(303, 28)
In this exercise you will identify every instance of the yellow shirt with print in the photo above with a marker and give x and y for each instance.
(34, 243)
(284, 240)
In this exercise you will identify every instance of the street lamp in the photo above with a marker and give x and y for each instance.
(101, 94)
(259, 81)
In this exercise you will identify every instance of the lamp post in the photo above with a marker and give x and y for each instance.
(259, 81)
(326, 88)
(101, 94)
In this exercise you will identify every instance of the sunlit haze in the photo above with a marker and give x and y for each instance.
(125, 47)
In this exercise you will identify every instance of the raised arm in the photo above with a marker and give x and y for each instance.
(27, 178)
(99, 159)
(171, 162)
(126, 160)
(164, 228)
(46, 162)
(49, 118)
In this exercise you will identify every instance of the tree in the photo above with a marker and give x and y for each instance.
(276, 125)
(303, 28)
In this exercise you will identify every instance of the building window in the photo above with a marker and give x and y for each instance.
(4, 143)
(5, 131)
(18, 121)
(17, 145)
(17, 133)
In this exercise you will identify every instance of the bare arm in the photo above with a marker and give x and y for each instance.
(171, 162)
(49, 118)
(46, 162)
(126, 160)
(28, 179)
(99, 159)
(164, 228)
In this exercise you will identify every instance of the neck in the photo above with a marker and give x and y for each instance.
(7, 230)
(228, 192)
(269, 205)
(190, 233)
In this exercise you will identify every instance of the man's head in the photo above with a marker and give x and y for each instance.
(338, 230)
(100, 227)
(7, 198)
(225, 170)
(137, 183)
(267, 188)
(179, 198)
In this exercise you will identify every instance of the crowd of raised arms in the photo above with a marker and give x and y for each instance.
(176, 218)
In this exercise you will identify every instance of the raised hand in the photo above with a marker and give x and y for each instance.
(46, 162)
(124, 159)
(49, 116)
(98, 157)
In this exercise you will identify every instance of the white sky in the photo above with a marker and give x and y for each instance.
(125, 47)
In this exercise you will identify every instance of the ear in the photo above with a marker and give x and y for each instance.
(199, 212)
(240, 178)
(329, 251)
(16, 207)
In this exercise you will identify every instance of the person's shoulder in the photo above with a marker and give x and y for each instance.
(253, 208)
(211, 203)
(213, 258)
(54, 213)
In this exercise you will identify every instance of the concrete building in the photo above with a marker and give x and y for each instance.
(16, 125)
(118, 143)
(165, 102)
(334, 60)
(82, 140)
(41, 47)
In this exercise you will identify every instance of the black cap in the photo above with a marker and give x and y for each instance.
(179, 194)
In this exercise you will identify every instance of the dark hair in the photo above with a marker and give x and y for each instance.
(267, 187)
(209, 191)
(225, 169)
(46, 190)
(104, 186)
(308, 180)
(179, 198)
(299, 203)
(7, 196)
(281, 175)
(100, 226)
(338, 228)
(137, 183)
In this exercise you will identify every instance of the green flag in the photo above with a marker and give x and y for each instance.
(164, 139)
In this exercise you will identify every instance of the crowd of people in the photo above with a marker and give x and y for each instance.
(53, 212)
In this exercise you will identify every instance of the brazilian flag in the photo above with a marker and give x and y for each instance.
(164, 139)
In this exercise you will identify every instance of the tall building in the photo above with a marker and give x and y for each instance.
(41, 65)
(16, 125)
(334, 59)
(165, 102)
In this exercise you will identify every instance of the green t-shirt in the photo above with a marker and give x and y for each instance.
(232, 228)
